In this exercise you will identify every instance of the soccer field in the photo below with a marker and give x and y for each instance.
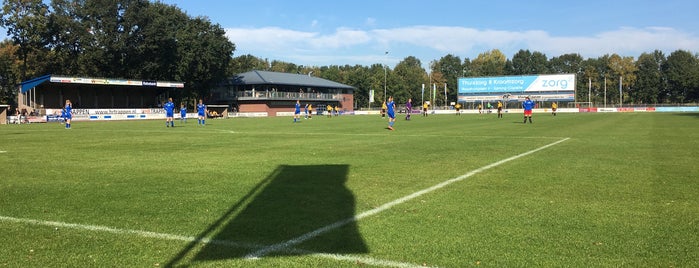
(578, 190)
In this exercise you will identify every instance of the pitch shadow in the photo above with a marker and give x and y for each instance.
(290, 202)
(688, 114)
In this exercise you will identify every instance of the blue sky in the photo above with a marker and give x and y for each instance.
(329, 32)
(319, 33)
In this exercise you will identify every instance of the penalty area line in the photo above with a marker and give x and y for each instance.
(300, 239)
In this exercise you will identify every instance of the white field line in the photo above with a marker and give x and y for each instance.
(147, 234)
(211, 130)
(286, 246)
(333, 226)
(386, 134)
(2, 152)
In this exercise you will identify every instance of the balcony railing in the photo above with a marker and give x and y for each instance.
(278, 95)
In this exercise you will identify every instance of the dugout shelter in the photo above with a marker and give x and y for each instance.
(275, 93)
(51, 91)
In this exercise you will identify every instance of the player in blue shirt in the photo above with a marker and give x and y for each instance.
(183, 113)
(68, 114)
(169, 113)
(201, 113)
(62, 119)
(297, 111)
(528, 105)
(391, 111)
(305, 111)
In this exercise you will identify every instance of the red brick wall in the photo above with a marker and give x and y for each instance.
(253, 108)
(347, 102)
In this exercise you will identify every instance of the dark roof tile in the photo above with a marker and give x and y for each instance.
(276, 78)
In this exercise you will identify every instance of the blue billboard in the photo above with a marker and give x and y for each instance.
(558, 87)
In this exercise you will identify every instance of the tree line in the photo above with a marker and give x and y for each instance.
(139, 39)
(132, 39)
(651, 79)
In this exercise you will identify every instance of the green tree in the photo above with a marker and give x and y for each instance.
(566, 64)
(27, 26)
(9, 73)
(593, 70)
(525, 62)
(246, 63)
(606, 91)
(153, 42)
(651, 83)
(332, 73)
(571, 64)
(467, 68)
(408, 77)
(203, 55)
(66, 38)
(283, 67)
(682, 70)
(622, 68)
(360, 78)
(377, 73)
(105, 46)
(451, 69)
(491, 63)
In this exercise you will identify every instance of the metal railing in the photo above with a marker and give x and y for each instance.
(280, 95)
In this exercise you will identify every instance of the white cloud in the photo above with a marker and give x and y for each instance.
(370, 22)
(427, 43)
(267, 38)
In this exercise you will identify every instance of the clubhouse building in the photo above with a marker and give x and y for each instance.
(265, 93)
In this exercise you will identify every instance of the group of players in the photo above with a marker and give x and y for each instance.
(170, 113)
(169, 107)
(390, 108)
(308, 111)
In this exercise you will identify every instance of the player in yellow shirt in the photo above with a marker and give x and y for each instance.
(310, 111)
(499, 109)
(458, 108)
(337, 110)
(329, 109)
(554, 107)
(383, 109)
(424, 108)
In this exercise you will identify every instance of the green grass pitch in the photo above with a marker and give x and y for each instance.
(578, 190)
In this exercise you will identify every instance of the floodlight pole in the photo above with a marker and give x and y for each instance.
(589, 91)
(384, 83)
(384, 79)
(605, 91)
(445, 96)
(621, 96)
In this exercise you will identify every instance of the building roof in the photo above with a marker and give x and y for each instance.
(276, 78)
(29, 84)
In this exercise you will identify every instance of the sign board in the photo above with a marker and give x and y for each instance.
(555, 87)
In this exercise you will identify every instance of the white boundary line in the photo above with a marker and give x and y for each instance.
(147, 234)
(384, 134)
(286, 246)
(212, 130)
(298, 240)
